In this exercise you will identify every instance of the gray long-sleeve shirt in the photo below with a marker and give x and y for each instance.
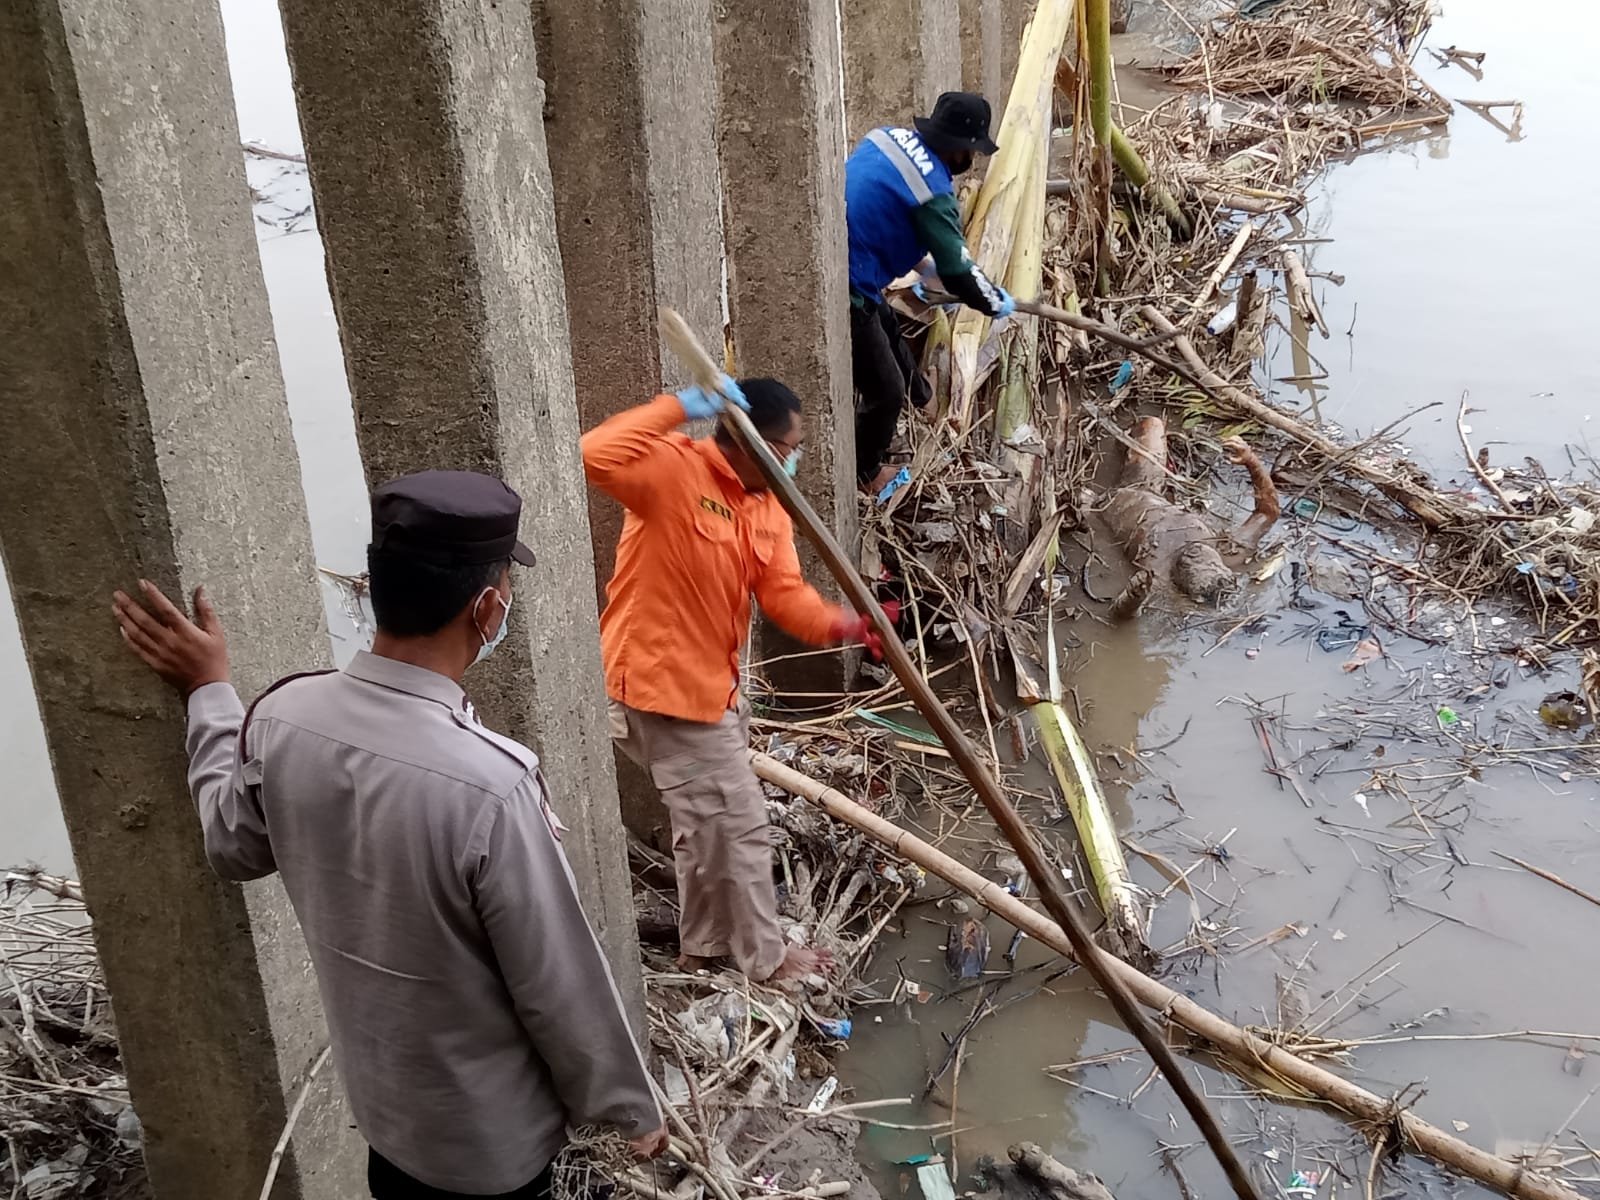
(471, 1012)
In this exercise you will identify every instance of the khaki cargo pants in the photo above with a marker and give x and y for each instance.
(720, 846)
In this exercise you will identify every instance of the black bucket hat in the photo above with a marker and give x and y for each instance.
(960, 121)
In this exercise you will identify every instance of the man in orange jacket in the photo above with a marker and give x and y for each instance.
(702, 533)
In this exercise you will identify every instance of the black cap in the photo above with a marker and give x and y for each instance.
(454, 518)
(960, 121)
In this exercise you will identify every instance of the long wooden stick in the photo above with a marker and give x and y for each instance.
(276, 1162)
(1140, 346)
(1243, 1052)
(681, 340)
(1552, 877)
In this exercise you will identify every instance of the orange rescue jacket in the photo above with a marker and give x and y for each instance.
(694, 546)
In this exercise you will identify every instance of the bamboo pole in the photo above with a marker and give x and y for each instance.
(676, 335)
(1080, 784)
(1240, 1049)
(1102, 849)
(1224, 265)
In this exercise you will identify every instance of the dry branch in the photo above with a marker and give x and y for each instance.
(1426, 505)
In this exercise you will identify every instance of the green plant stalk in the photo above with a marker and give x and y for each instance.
(1133, 166)
(1098, 35)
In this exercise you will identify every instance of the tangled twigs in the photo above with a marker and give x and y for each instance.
(64, 1105)
(1478, 467)
(1426, 505)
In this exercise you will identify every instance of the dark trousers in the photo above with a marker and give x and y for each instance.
(885, 372)
(388, 1182)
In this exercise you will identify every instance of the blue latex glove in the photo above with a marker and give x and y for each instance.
(699, 404)
(1008, 304)
(920, 291)
(902, 479)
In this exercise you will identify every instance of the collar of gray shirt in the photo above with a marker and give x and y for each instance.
(405, 677)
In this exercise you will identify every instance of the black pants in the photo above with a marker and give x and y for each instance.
(885, 372)
(388, 1182)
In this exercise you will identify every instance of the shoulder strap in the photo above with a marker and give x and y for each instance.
(244, 726)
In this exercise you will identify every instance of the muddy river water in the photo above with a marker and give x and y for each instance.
(1460, 270)
(1467, 263)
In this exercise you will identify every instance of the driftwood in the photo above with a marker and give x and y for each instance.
(1246, 1055)
(1301, 298)
(1062, 1181)
(1175, 544)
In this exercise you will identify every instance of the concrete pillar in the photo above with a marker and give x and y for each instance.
(425, 139)
(780, 138)
(640, 224)
(1014, 18)
(980, 52)
(898, 56)
(146, 434)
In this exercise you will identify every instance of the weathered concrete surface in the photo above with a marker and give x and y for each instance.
(425, 138)
(630, 91)
(898, 56)
(146, 434)
(780, 137)
(980, 52)
(1014, 18)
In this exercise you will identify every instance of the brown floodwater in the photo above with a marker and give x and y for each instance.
(1465, 260)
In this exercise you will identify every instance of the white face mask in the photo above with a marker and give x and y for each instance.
(489, 644)
(791, 464)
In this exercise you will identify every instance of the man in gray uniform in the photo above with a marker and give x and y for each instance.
(472, 1015)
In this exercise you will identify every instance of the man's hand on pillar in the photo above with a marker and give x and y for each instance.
(185, 654)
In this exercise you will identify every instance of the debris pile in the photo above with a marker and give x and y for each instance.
(742, 1067)
(1033, 423)
(66, 1125)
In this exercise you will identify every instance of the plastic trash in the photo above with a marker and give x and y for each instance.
(935, 1180)
(1309, 510)
(838, 1029)
(1121, 378)
(967, 952)
(1224, 318)
(1302, 1184)
(1448, 716)
(830, 1085)
(1343, 636)
(1016, 944)
(1563, 710)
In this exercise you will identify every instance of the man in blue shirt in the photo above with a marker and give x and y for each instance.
(900, 207)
